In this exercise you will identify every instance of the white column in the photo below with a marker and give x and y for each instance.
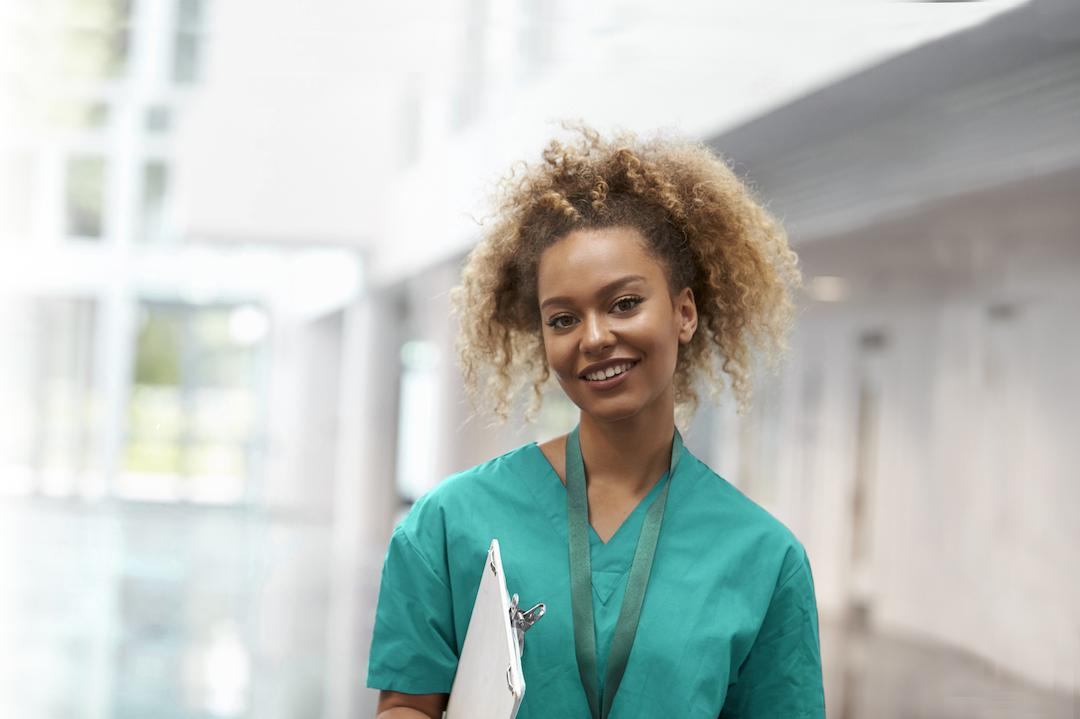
(365, 500)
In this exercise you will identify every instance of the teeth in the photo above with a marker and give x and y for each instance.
(609, 372)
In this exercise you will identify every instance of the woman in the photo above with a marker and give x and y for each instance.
(628, 269)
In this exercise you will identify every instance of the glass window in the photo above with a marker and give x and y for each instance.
(190, 14)
(418, 418)
(194, 433)
(97, 42)
(77, 114)
(159, 118)
(189, 40)
(186, 58)
(153, 208)
(85, 194)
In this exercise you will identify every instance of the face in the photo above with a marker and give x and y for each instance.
(611, 326)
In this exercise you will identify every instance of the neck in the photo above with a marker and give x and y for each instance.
(629, 455)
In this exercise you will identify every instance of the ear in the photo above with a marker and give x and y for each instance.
(686, 315)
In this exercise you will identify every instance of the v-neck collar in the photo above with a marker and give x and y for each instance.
(631, 523)
(610, 560)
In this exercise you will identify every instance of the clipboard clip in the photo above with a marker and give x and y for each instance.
(521, 621)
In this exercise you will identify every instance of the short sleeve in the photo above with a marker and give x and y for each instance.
(413, 643)
(781, 676)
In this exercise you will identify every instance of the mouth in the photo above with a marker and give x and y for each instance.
(601, 379)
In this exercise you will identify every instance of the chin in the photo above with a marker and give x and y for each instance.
(612, 413)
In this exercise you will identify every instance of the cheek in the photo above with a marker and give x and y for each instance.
(662, 344)
(555, 352)
(657, 334)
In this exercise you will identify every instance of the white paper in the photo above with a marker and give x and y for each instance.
(489, 683)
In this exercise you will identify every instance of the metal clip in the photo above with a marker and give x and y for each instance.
(521, 621)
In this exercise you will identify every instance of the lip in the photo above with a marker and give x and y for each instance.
(613, 362)
(610, 382)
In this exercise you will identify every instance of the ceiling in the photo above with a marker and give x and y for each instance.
(992, 105)
(1013, 242)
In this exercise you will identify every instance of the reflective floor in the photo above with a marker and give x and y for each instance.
(133, 611)
(140, 611)
(873, 676)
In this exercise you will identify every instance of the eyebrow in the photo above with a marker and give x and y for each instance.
(606, 289)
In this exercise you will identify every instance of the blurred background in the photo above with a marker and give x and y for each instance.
(227, 233)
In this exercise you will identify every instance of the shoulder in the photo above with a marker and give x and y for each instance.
(746, 523)
(486, 481)
(554, 450)
(493, 474)
(457, 505)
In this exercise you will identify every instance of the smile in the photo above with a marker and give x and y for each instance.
(605, 376)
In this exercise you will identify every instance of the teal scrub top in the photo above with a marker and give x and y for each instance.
(728, 628)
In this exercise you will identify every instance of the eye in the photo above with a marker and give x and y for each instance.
(557, 322)
(625, 304)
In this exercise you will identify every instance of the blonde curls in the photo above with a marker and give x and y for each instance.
(699, 219)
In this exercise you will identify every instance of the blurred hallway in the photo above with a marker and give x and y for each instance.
(228, 230)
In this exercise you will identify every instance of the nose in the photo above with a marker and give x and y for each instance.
(597, 336)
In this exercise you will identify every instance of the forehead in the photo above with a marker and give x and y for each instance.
(591, 258)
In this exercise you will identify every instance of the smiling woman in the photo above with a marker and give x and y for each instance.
(694, 216)
(617, 327)
(626, 269)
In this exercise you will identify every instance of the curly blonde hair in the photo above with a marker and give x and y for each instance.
(699, 220)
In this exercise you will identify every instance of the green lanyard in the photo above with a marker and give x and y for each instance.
(577, 507)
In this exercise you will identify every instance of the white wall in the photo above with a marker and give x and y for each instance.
(971, 480)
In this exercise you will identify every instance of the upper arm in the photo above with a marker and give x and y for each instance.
(781, 675)
(414, 642)
(431, 704)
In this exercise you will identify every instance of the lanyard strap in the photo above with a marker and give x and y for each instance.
(577, 507)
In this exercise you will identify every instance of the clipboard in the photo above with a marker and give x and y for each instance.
(489, 683)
